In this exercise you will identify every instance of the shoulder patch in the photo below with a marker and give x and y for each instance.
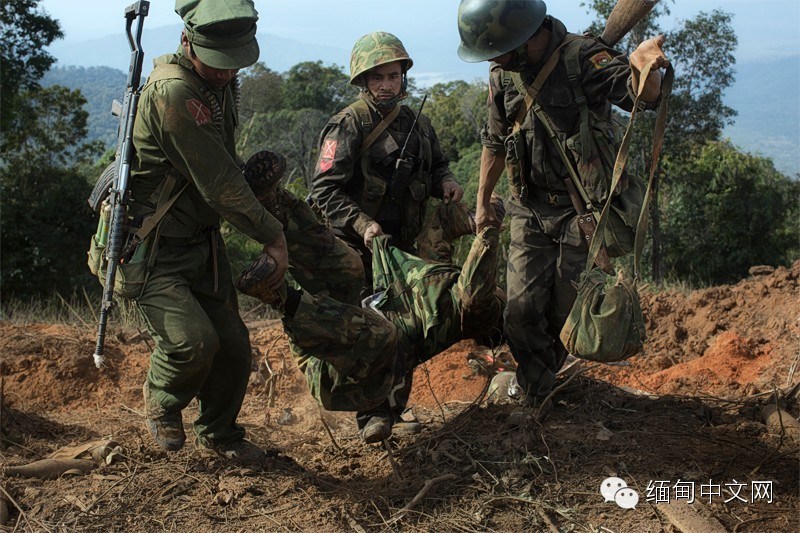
(327, 154)
(600, 59)
(199, 111)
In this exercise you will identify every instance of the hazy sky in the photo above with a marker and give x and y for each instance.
(764, 27)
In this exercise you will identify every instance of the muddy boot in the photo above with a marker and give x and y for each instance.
(377, 429)
(252, 282)
(406, 425)
(263, 172)
(166, 427)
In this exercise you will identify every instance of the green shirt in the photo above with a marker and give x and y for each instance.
(190, 127)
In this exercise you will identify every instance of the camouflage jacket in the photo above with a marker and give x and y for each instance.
(184, 124)
(354, 194)
(605, 80)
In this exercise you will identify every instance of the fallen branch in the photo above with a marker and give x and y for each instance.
(429, 484)
(395, 469)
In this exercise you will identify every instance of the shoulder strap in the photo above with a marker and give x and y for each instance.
(573, 64)
(362, 110)
(165, 201)
(530, 93)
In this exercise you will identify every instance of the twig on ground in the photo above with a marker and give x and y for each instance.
(539, 411)
(429, 484)
(328, 430)
(395, 469)
(550, 525)
(8, 497)
(73, 311)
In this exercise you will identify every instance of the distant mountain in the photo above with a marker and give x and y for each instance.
(278, 53)
(100, 86)
(764, 94)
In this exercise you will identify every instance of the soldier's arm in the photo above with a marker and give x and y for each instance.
(607, 74)
(339, 145)
(181, 125)
(493, 153)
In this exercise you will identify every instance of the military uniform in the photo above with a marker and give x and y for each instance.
(547, 252)
(353, 193)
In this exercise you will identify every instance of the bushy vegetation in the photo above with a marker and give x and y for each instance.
(718, 210)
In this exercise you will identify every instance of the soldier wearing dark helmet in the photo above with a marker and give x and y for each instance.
(547, 252)
(358, 188)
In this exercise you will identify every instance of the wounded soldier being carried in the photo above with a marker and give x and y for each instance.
(356, 357)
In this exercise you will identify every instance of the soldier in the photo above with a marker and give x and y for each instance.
(547, 251)
(357, 358)
(182, 286)
(363, 187)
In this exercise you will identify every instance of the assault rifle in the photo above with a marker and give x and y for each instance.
(118, 194)
(402, 169)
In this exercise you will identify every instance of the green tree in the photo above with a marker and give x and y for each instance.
(45, 220)
(25, 31)
(729, 211)
(457, 110)
(261, 91)
(312, 85)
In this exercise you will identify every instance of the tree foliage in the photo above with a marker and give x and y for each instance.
(313, 85)
(25, 32)
(457, 110)
(729, 211)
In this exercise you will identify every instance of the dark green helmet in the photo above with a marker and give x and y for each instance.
(374, 49)
(491, 28)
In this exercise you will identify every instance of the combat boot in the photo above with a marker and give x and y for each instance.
(377, 429)
(263, 173)
(165, 426)
(406, 425)
(252, 282)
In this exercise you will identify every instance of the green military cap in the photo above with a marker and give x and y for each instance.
(222, 32)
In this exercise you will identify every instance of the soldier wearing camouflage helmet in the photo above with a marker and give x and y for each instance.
(547, 252)
(186, 176)
(354, 182)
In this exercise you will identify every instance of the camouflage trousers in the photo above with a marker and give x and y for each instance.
(354, 357)
(546, 255)
(319, 262)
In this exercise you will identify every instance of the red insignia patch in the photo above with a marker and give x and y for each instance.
(327, 155)
(199, 111)
(600, 59)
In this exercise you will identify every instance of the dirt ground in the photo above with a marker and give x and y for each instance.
(686, 413)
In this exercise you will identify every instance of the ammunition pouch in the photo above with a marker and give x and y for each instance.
(132, 274)
(515, 164)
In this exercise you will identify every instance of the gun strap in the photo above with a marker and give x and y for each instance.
(165, 201)
(531, 92)
(374, 134)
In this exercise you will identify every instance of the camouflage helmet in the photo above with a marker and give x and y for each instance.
(491, 28)
(374, 49)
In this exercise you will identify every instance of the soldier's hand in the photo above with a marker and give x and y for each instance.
(277, 250)
(649, 51)
(373, 231)
(452, 191)
(485, 217)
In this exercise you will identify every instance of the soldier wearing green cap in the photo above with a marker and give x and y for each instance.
(186, 160)
(356, 182)
(547, 251)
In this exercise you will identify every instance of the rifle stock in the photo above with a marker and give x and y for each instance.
(119, 195)
(625, 15)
